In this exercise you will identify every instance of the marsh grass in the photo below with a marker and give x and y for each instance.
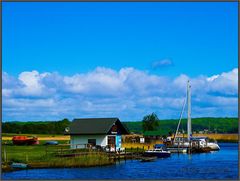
(40, 156)
(79, 161)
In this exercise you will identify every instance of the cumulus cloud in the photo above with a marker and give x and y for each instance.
(101, 81)
(226, 82)
(31, 83)
(127, 93)
(162, 63)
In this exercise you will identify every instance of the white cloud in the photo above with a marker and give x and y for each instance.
(180, 83)
(226, 82)
(31, 82)
(128, 93)
(212, 78)
(162, 63)
(101, 81)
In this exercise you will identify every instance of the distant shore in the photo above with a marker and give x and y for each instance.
(221, 137)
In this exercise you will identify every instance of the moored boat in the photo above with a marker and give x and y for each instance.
(213, 146)
(158, 152)
(51, 143)
(19, 165)
(201, 150)
(24, 140)
(177, 150)
(204, 142)
(172, 149)
(148, 159)
(190, 144)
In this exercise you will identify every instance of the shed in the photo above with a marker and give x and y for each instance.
(96, 131)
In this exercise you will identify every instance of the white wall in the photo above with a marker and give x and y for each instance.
(83, 139)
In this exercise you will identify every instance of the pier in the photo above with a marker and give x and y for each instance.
(127, 153)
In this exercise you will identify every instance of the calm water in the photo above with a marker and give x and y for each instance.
(216, 165)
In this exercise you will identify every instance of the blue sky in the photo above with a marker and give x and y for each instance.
(48, 45)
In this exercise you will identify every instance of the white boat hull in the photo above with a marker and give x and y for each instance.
(213, 146)
(177, 150)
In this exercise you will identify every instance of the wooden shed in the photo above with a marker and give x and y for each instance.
(96, 131)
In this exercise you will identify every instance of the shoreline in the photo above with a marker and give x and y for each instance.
(8, 168)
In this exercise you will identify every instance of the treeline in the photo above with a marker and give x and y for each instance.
(40, 127)
(214, 125)
(211, 125)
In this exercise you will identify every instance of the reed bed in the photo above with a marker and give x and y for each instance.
(141, 145)
(228, 137)
(88, 160)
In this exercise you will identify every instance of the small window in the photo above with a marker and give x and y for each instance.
(92, 142)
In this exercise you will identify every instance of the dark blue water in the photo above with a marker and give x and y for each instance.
(216, 165)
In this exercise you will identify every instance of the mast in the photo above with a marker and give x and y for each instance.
(189, 124)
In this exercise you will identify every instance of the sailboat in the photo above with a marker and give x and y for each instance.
(190, 143)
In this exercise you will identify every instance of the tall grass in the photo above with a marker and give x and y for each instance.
(79, 161)
(228, 137)
(86, 160)
(46, 156)
(141, 145)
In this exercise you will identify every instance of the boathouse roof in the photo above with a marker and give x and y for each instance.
(86, 126)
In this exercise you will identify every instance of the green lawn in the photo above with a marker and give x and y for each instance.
(29, 153)
(46, 156)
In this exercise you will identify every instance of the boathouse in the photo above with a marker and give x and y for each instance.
(96, 131)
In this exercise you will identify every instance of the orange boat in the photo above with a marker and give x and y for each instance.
(24, 140)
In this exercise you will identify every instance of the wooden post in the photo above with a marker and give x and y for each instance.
(178, 147)
(5, 154)
(190, 146)
(27, 158)
(132, 153)
(108, 153)
(46, 150)
(125, 153)
(119, 154)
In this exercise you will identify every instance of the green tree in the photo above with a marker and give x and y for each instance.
(150, 122)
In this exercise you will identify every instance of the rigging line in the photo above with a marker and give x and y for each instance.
(184, 104)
